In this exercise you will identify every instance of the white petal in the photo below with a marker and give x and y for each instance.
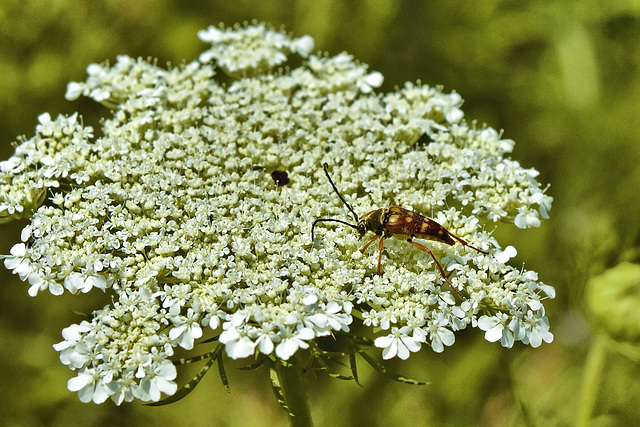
(286, 349)
(448, 338)
(304, 45)
(74, 90)
(505, 255)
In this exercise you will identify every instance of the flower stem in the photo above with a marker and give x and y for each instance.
(592, 373)
(295, 394)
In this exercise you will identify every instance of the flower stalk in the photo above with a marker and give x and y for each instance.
(591, 380)
(289, 379)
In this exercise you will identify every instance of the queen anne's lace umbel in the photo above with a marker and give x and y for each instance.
(175, 212)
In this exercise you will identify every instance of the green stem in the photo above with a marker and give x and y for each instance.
(590, 381)
(295, 394)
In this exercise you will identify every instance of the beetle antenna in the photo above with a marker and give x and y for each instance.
(355, 215)
(329, 220)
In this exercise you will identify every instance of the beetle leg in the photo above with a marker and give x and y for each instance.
(376, 237)
(380, 255)
(444, 276)
(464, 243)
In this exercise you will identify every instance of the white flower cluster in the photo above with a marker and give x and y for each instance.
(252, 49)
(55, 154)
(174, 210)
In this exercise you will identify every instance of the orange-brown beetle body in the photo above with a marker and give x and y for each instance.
(398, 223)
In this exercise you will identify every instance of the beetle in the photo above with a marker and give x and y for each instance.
(398, 223)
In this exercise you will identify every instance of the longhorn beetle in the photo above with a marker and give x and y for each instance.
(399, 223)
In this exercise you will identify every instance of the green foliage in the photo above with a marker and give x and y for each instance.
(614, 298)
(188, 388)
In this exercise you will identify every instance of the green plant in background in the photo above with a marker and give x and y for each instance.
(194, 206)
(612, 299)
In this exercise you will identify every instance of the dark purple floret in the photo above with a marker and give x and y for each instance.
(280, 177)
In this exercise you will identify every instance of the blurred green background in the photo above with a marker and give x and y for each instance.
(560, 77)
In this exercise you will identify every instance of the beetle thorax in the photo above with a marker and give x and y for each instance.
(374, 221)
